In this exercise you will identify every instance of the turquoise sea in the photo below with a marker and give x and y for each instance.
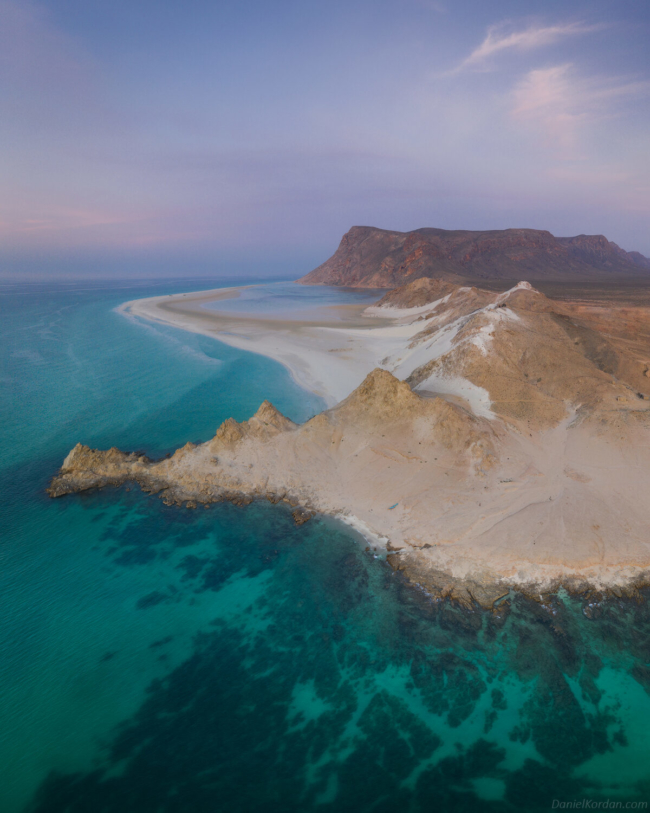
(154, 658)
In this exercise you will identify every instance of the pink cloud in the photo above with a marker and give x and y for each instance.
(559, 103)
(499, 38)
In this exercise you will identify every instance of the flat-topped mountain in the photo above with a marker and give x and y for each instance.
(376, 258)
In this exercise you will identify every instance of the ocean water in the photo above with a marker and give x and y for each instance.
(292, 300)
(154, 658)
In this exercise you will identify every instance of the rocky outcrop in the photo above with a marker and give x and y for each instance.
(377, 258)
(86, 468)
(265, 424)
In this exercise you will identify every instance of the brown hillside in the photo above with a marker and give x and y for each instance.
(375, 258)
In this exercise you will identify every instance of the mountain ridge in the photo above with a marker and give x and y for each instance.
(368, 257)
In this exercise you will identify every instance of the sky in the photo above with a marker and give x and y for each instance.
(141, 138)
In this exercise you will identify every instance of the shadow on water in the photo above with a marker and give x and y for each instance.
(342, 688)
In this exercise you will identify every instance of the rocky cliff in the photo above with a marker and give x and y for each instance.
(376, 258)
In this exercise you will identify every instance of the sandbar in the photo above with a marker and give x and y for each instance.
(329, 354)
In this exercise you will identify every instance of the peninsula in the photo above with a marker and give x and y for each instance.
(489, 440)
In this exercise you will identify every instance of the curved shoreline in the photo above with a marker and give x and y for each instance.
(329, 356)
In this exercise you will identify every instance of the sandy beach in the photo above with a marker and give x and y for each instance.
(329, 354)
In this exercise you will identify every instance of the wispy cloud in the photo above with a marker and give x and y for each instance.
(433, 5)
(560, 104)
(502, 37)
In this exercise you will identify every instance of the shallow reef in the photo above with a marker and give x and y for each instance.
(342, 687)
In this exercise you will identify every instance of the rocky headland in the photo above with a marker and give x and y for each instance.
(377, 258)
(501, 442)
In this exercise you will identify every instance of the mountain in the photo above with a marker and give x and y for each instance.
(376, 258)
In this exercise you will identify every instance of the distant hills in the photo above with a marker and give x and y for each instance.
(377, 258)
